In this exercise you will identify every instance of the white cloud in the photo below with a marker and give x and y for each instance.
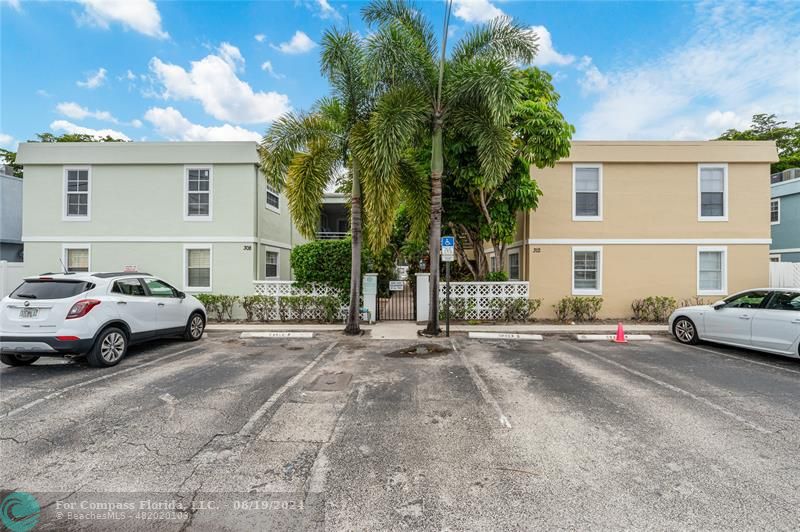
(719, 76)
(300, 43)
(43, 93)
(78, 112)
(266, 66)
(593, 80)
(170, 123)
(69, 127)
(129, 75)
(327, 11)
(213, 82)
(94, 80)
(476, 10)
(14, 4)
(7, 141)
(547, 54)
(260, 37)
(136, 122)
(139, 15)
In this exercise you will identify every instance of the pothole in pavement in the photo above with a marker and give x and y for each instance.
(420, 351)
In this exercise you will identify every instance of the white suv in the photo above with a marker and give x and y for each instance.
(96, 314)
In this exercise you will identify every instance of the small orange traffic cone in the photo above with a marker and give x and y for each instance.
(620, 339)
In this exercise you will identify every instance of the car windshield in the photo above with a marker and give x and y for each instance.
(50, 289)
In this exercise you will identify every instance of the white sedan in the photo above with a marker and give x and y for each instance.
(94, 314)
(766, 319)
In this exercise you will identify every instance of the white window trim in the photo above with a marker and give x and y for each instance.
(724, 290)
(269, 207)
(588, 291)
(509, 265)
(186, 287)
(725, 193)
(778, 201)
(64, 216)
(186, 217)
(277, 266)
(65, 247)
(599, 217)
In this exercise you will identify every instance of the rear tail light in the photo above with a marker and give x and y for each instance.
(82, 308)
(67, 338)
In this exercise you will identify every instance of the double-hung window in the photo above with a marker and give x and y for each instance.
(513, 266)
(587, 192)
(713, 192)
(271, 269)
(198, 268)
(775, 211)
(587, 271)
(77, 190)
(273, 199)
(712, 275)
(198, 193)
(76, 258)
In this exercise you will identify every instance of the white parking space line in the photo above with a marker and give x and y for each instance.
(247, 429)
(481, 385)
(677, 389)
(103, 377)
(745, 359)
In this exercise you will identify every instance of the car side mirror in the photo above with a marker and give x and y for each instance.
(181, 295)
(718, 305)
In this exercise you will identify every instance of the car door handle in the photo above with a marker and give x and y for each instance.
(796, 321)
(744, 317)
(161, 304)
(122, 302)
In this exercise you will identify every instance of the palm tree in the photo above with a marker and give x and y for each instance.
(473, 91)
(304, 152)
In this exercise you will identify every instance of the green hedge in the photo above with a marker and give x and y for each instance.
(323, 261)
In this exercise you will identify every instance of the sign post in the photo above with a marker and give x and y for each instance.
(448, 254)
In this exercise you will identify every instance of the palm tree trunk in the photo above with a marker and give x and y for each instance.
(353, 314)
(437, 167)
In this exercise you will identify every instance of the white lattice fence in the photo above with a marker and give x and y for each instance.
(283, 289)
(479, 301)
(784, 274)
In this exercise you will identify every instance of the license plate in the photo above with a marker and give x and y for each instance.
(28, 312)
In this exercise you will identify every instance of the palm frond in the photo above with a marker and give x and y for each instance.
(494, 142)
(383, 12)
(395, 56)
(502, 38)
(415, 189)
(342, 62)
(487, 83)
(308, 175)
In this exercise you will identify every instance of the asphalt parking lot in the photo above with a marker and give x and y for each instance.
(360, 434)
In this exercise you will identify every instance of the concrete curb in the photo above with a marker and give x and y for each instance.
(277, 334)
(609, 337)
(504, 336)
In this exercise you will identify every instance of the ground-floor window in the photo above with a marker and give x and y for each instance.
(76, 258)
(198, 268)
(587, 271)
(513, 266)
(271, 269)
(712, 271)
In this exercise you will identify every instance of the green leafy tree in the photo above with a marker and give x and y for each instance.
(768, 127)
(472, 92)
(482, 209)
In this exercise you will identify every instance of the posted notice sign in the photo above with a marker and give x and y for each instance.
(448, 249)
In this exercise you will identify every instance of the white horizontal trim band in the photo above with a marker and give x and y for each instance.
(154, 239)
(787, 250)
(644, 241)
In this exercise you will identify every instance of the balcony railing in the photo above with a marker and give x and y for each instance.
(331, 235)
(786, 175)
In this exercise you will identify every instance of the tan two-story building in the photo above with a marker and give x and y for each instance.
(624, 220)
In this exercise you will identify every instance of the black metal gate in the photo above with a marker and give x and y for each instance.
(397, 300)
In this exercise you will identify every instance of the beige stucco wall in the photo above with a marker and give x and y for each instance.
(637, 271)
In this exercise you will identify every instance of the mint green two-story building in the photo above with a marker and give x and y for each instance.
(198, 214)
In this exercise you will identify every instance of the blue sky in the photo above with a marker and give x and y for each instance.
(208, 70)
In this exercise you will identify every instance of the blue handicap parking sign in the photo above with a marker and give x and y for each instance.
(448, 242)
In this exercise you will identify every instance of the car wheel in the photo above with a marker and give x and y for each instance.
(685, 331)
(108, 350)
(195, 327)
(10, 359)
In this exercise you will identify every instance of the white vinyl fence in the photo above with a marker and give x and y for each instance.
(283, 289)
(784, 274)
(479, 301)
(11, 274)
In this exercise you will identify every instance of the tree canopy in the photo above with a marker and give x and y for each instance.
(768, 127)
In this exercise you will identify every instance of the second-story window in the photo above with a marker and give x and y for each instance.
(587, 186)
(198, 193)
(273, 198)
(76, 193)
(775, 211)
(713, 191)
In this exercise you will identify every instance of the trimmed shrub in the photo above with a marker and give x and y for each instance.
(563, 308)
(497, 277)
(330, 307)
(459, 308)
(653, 308)
(324, 262)
(579, 308)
